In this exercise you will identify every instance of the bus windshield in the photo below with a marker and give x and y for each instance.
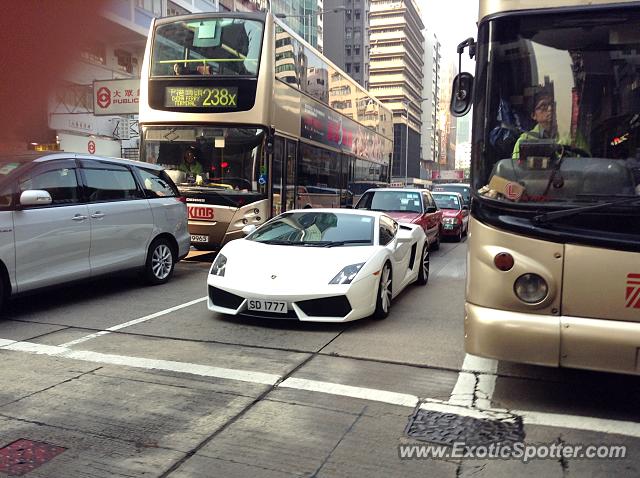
(562, 108)
(207, 46)
(225, 159)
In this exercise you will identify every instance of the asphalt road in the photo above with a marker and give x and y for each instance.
(129, 380)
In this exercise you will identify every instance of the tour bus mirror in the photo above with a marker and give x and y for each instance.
(462, 94)
(35, 197)
(248, 229)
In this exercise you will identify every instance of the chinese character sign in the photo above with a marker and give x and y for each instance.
(116, 97)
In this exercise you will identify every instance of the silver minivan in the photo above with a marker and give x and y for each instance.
(67, 217)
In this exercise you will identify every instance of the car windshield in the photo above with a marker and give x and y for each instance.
(563, 108)
(207, 46)
(391, 201)
(317, 228)
(447, 201)
(463, 189)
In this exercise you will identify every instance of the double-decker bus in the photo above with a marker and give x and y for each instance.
(554, 242)
(272, 123)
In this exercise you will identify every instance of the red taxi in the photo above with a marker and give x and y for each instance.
(414, 206)
(455, 214)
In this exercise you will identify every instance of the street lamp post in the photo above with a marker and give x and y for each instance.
(406, 140)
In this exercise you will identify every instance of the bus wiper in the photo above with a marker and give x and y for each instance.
(550, 216)
(342, 243)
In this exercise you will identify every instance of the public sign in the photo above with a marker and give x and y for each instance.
(116, 97)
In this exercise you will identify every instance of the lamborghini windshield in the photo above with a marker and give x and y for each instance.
(562, 109)
(322, 228)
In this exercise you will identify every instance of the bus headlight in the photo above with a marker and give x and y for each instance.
(218, 266)
(531, 288)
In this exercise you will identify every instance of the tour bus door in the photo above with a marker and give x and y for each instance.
(290, 175)
(284, 175)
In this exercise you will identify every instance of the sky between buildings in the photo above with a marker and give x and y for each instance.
(452, 21)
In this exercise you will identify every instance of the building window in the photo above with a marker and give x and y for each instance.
(173, 9)
(153, 6)
(347, 67)
(125, 61)
(356, 67)
(356, 49)
(358, 14)
(347, 50)
(348, 14)
(95, 53)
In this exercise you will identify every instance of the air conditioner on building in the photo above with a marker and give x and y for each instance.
(121, 128)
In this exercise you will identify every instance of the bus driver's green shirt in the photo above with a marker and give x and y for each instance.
(537, 133)
(193, 168)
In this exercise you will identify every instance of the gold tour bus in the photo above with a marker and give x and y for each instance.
(270, 123)
(554, 244)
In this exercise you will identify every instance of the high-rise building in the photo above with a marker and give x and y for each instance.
(446, 122)
(303, 16)
(396, 76)
(430, 108)
(463, 143)
(346, 37)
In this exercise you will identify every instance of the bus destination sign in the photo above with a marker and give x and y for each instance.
(201, 97)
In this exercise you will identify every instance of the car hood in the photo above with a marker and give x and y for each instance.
(249, 261)
(404, 216)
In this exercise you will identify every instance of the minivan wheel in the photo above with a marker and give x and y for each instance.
(160, 262)
(383, 299)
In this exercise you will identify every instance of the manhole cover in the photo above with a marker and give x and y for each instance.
(22, 456)
(450, 428)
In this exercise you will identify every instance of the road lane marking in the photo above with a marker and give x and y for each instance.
(602, 425)
(132, 322)
(576, 422)
(145, 363)
(468, 386)
(393, 398)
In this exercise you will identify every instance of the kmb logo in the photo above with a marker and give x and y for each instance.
(633, 291)
(206, 213)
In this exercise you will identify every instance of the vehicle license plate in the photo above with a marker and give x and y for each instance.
(446, 226)
(267, 306)
(199, 238)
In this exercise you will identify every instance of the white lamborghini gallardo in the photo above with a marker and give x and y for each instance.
(323, 265)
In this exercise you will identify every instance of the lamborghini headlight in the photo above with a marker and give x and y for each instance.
(219, 265)
(346, 275)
